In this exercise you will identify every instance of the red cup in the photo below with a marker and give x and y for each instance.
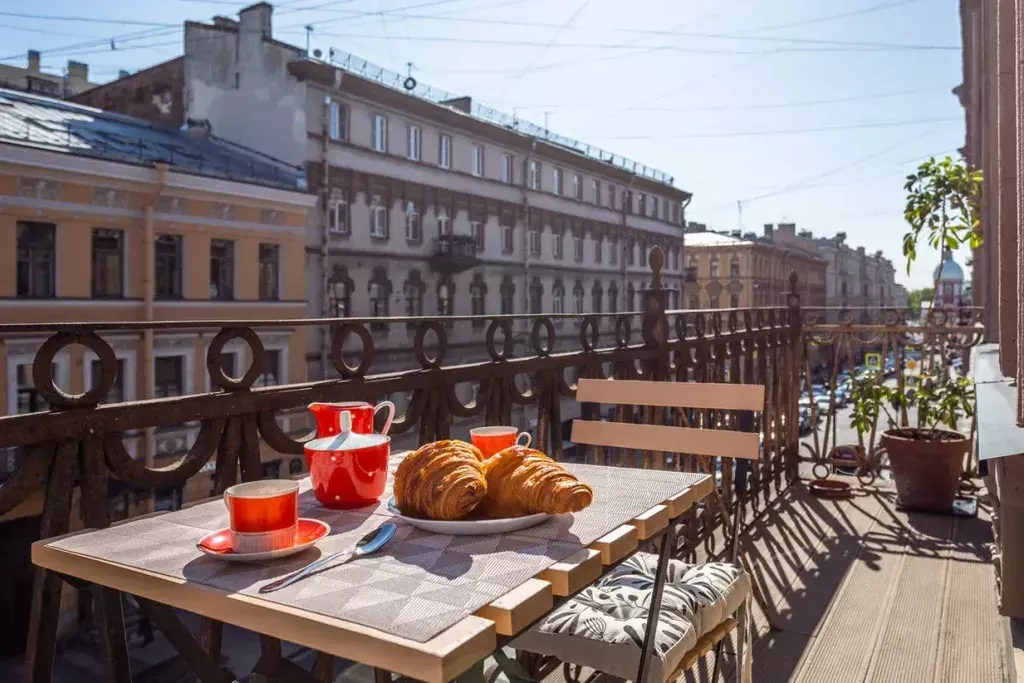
(348, 470)
(264, 515)
(328, 416)
(490, 440)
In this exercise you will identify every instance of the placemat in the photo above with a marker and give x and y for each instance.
(419, 585)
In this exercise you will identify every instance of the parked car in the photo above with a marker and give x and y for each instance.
(805, 420)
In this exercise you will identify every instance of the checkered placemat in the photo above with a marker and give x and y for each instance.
(418, 585)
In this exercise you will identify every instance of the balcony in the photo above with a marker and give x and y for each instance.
(845, 590)
(453, 254)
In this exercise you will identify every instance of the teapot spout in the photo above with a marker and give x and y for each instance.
(326, 417)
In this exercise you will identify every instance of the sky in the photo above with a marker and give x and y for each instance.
(766, 110)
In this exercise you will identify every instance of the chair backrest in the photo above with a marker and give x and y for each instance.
(670, 439)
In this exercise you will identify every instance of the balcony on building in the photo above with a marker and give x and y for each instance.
(453, 253)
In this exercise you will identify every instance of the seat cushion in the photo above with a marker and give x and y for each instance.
(603, 626)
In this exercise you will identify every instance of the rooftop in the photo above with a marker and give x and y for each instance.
(713, 239)
(69, 128)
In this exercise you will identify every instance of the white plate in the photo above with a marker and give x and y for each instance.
(469, 527)
(314, 529)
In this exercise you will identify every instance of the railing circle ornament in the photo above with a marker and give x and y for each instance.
(418, 344)
(340, 335)
(589, 333)
(506, 343)
(215, 366)
(549, 329)
(42, 369)
(623, 331)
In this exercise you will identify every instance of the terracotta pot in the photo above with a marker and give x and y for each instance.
(927, 472)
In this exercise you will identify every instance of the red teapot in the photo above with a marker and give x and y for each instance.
(328, 416)
(348, 469)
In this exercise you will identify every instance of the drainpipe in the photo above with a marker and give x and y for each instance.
(148, 295)
(626, 204)
(526, 226)
(682, 250)
(325, 223)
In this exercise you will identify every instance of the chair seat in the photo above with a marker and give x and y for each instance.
(603, 626)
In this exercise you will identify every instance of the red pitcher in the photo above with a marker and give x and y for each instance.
(328, 416)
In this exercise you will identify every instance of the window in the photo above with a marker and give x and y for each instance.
(271, 375)
(613, 251)
(476, 231)
(379, 289)
(691, 274)
(664, 211)
(478, 160)
(446, 297)
(596, 296)
(734, 301)
(641, 204)
(613, 299)
(270, 268)
(596, 191)
(556, 242)
(630, 254)
(508, 295)
(444, 221)
(379, 133)
(643, 255)
(598, 248)
(533, 179)
(714, 302)
(222, 270)
(413, 231)
(713, 267)
(168, 376)
(613, 197)
(339, 215)
(630, 298)
(577, 298)
(414, 288)
(37, 256)
(338, 114)
(734, 268)
(116, 393)
(412, 143)
(556, 178)
(536, 296)
(506, 239)
(29, 400)
(577, 244)
(444, 152)
(535, 241)
(653, 207)
(577, 186)
(507, 169)
(168, 267)
(107, 263)
(478, 297)
(558, 298)
(378, 217)
(675, 212)
(694, 302)
(339, 292)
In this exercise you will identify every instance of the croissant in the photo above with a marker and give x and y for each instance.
(442, 480)
(522, 481)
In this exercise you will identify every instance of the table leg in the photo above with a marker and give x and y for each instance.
(323, 667)
(211, 637)
(668, 541)
(208, 670)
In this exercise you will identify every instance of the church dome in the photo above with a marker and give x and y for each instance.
(948, 270)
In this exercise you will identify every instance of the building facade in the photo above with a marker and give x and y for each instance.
(32, 79)
(746, 271)
(174, 231)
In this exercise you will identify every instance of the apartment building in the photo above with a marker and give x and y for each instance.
(89, 202)
(743, 270)
(73, 79)
(431, 204)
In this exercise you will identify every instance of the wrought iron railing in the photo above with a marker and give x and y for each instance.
(80, 441)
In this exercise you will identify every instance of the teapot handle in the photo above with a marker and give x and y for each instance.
(391, 414)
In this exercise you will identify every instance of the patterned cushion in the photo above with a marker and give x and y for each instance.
(603, 626)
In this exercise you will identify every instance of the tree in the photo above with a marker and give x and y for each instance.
(942, 201)
(916, 296)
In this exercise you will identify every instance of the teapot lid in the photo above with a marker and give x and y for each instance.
(347, 441)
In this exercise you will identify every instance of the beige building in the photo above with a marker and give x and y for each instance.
(431, 203)
(73, 79)
(222, 229)
(744, 271)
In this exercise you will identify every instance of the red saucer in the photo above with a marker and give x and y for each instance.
(219, 542)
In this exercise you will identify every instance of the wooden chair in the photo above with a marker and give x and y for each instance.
(701, 604)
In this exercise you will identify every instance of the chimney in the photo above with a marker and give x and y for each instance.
(225, 22)
(253, 28)
(33, 61)
(788, 229)
(123, 73)
(463, 104)
(78, 70)
(769, 230)
(737, 233)
(198, 128)
(860, 251)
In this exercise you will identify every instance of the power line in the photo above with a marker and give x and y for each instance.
(92, 20)
(779, 131)
(833, 17)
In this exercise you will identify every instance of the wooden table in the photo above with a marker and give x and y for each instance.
(436, 660)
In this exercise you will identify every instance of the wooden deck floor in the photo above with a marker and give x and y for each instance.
(860, 592)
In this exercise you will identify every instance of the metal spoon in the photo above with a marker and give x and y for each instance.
(370, 543)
